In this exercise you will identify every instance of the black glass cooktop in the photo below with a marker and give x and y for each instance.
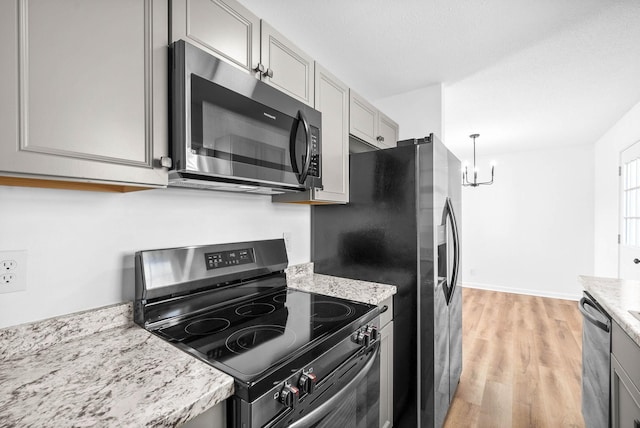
(250, 338)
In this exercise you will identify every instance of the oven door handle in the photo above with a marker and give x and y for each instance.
(322, 410)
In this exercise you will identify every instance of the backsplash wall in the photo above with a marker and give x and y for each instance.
(81, 244)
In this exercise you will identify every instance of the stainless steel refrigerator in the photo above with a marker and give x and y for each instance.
(402, 227)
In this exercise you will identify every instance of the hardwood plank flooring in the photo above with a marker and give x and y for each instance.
(522, 359)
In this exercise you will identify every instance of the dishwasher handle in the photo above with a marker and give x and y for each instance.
(587, 316)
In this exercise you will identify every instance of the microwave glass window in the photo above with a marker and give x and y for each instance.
(235, 135)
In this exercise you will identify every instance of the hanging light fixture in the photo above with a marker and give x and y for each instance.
(465, 173)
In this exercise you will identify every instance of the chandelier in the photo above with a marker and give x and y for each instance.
(465, 173)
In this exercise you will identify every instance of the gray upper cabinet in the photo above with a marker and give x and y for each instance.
(231, 32)
(370, 125)
(332, 100)
(387, 131)
(83, 94)
(287, 67)
(363, 121)
(224, 28)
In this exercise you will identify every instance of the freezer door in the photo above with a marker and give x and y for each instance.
(447, 296)
(455, 298)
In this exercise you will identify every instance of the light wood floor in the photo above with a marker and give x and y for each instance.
(521, 362)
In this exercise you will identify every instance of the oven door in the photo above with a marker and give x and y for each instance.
(349, 397)
(230, 126)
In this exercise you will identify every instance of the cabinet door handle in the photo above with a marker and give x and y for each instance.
(636, 261)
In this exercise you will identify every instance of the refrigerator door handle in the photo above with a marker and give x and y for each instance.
(456, 249)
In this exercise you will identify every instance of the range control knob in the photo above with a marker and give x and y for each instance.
(373, 332)
(289, 396)
(361, 337)
(307, 382)
(366, 338)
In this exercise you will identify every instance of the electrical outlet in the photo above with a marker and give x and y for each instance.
(7, 278)
(13, 271)
(8, 265)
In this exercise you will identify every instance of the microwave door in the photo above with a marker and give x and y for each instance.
(235, 136)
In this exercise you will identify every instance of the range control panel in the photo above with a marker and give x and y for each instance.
(229, 258)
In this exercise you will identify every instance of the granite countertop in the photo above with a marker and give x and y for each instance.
(301, 277)
(617, 297)
(97, 368)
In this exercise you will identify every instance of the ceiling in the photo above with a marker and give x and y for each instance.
(523, 74)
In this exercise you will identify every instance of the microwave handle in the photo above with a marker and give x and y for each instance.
(302, 176)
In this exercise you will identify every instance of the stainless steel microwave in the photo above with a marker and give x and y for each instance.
(232, 132)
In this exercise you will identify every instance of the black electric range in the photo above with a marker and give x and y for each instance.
(290, 352)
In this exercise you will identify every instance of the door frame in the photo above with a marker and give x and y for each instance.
(621, 202)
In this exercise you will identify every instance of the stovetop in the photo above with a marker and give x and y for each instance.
(253, 338)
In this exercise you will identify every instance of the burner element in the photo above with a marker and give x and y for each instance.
(331, 311)
(251, 337)
(207, 326)
(281, 297)
(255, 309)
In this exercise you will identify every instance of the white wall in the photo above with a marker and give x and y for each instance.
(607, 159)
(81, 244)
(531, 232)
(417, 112)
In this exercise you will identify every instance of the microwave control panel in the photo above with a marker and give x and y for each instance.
(229, 258)
(314, 165)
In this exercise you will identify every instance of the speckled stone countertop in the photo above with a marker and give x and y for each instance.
(617, 297)
(302, 277)
(97, 368)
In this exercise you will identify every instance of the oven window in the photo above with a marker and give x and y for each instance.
(358, 409)
(235, 135)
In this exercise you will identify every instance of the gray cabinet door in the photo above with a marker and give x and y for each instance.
(332, 100)
(387, 130)
(386, 376)
(625, 398)
(363, 119)
(84, 90)
(625, 379)
(369, 124)
(224, 28)
(289, 68)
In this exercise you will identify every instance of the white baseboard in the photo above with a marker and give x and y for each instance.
(539, 293)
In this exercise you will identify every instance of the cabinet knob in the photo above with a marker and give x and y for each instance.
(268, 73)
(259, 68)
(636, 261)
(166, 162)
(380, 138)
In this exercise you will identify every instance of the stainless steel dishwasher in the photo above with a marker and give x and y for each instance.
(596, 363)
